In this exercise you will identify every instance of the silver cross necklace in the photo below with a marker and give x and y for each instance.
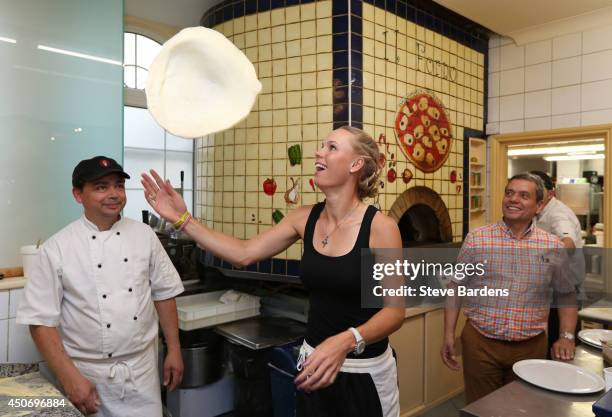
(325, 240)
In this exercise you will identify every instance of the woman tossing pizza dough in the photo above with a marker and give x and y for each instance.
(200, 83)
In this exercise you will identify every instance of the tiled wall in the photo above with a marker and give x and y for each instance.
(565, 81)
(16, 345)
(321, 66)
(395, 51)
(291, 49)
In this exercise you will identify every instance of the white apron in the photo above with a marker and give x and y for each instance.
(128, 386)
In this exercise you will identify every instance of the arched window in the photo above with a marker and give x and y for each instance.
(146, 144)
(138, 54)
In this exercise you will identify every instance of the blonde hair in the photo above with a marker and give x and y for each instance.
(366, 147)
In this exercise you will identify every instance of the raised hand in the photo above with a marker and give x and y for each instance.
(162, 197)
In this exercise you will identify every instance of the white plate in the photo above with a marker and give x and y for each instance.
(558, 376)
(593, 337)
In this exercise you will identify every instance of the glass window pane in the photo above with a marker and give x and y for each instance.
(177, 143)
(177, 162)
(188, 197)
(137, 161)
(135, 204)
(141, 78)
(140, 130)
(129, 51)
(146, 51)
(129, 76)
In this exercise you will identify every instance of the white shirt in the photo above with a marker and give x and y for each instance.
(98, 287)
(560, 220)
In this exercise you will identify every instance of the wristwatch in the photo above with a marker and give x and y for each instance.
(360, 345)
(567, 335)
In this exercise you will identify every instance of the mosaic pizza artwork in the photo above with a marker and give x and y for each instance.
(423, 130)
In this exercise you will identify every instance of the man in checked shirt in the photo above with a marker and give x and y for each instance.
(530, 263)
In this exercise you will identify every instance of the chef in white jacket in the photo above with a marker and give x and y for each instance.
(94, 299)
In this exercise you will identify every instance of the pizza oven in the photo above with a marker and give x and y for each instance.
(422, 217)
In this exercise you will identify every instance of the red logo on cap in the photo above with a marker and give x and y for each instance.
(104, 163)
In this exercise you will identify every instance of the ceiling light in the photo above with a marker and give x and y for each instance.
(79, 55)
(574, 157)
(9, 40)
(598, 147)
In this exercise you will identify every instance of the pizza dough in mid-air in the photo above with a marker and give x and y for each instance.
(200, 83)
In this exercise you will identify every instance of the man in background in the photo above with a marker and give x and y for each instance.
(558, 219)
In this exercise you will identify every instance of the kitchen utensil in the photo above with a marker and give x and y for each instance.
(593, 337)
(29, 255)
(558, 376)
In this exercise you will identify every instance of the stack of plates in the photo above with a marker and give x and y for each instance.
(558, 376)
(593, 337)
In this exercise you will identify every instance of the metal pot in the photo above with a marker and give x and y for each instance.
(202, 356)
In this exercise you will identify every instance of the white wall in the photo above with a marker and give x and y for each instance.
(16, 345)
(563, 81)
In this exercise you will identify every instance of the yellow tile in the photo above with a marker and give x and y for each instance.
(379, 33)
(368, 80)
(228, 199)
(368, 48)
(279, 84)
(293, 31)
(325, 96)
(252, 135)
(294, 134)
(239, 41)
(379, 117)
(294, 99)
(324, 129)
(279, 67)
(324, 26)
(279, 133)
(368, 115)
(324, 8)
(294, 252)
(277, 17)
(308, 28)
(309, 46)
(265, 167)
(379, 16)
(251, 54)
(294, 65)
(367, 12)
(324, 43)
(264, 69)
(310, 133)
(251, 183)
(325, 114)
(309, 81)
(278, 33)
(292, 14)
(239, 25)
(279, 168)
(265, 202)
(264, 53)
(379, 50)
(263, 19)
(228, 168)
(324, 62)
(239, 184)
(250, 231)
(280, 117)
(251, 39)
(324, 79)
(379, 83)
(309, 115)
(308, 11)
(293, 48)
(265, 118)
(265, 101)
(279, 101)
(279, 50)
(309, 63)
(228, 214)
(250, 23)
(279, 151)
(294, 82)
(264, 36)
(239, 167)
(252, 119)
(294, 116)
(228, 152)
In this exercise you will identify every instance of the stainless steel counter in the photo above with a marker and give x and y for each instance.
(520, 398)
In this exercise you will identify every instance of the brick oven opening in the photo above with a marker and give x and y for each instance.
(422, 218)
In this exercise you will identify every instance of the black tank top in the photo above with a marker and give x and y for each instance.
(334, 284)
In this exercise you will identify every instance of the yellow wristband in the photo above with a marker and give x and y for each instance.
(181, 220)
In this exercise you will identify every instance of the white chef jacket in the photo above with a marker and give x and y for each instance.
(98, 287)
(561, 221)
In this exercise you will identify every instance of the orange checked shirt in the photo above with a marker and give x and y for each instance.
(528, 268)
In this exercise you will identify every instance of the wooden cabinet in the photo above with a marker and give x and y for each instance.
(477, 182)
(424, 381)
